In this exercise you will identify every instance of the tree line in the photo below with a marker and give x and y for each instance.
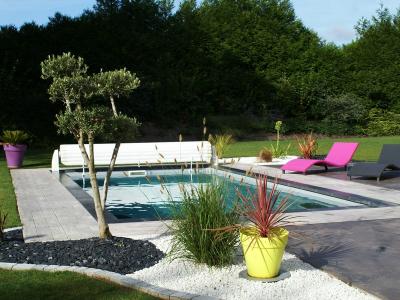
(243, 64)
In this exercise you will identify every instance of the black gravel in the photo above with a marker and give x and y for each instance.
(121, 255)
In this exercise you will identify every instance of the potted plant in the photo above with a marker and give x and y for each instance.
(263, 237)
(14, 146)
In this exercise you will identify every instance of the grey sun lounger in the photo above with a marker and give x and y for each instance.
(389, 159)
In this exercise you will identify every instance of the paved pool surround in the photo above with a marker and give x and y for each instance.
(49, 211)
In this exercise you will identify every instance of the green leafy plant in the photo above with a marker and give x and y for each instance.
(277, 151)
(14, 137)
(307, 145)
(340, 114)
(265, 155)
(383, 123)
(221, 143)
(202, 209)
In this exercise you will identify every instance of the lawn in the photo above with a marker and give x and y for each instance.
(8, 204)
(61, 285)
(368, 149)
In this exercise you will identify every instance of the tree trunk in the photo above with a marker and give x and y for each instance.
(68, 104)
(112, 161)
(104, 231)
(108, 175)
(114, 108)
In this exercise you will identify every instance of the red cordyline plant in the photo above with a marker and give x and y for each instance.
(259, 207)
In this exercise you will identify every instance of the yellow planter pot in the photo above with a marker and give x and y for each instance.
(263, 256)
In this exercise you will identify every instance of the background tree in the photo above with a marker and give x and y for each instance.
(244, 64)
(85, 119)
(374, 61)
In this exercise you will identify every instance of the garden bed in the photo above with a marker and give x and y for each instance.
(305, 281)
(120, 255)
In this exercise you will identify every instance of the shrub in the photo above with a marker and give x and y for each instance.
(307, 145)
(265, 155)
(221, 143)
(381, 123)
(202, 209)
(341, 114)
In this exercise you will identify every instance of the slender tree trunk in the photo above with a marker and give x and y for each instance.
(67, 103)
(114, 108)
(108, 175)
(112, 161)
(104, 231)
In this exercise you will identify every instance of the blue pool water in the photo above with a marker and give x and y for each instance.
(147, 198)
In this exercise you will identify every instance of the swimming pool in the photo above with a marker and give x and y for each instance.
(147, 198)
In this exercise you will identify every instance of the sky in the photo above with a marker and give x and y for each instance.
(333, 20)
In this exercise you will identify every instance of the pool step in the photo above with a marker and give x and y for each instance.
(136, 173)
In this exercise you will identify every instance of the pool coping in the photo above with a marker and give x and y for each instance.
(87, 201)
(368, 201)
(382, 210)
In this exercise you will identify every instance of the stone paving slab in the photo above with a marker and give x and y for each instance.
(48, 211)
(363, 254)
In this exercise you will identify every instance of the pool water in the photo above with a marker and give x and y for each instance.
(148, 198)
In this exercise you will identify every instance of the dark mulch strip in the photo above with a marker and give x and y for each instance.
(121, 255)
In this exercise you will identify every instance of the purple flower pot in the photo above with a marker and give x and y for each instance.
(14, 155)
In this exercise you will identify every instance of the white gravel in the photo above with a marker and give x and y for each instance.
(305, 282)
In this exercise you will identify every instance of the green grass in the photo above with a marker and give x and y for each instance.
(8, 203)
(61, 285)
(368, 149)
(38, 158)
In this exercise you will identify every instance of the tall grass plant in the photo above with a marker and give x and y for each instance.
(203, 208)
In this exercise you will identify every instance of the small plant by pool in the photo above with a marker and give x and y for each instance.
(202, 209)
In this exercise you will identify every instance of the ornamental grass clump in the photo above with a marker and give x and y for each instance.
(308, 146)
(265, 155)
(221, 143)
(203, 208)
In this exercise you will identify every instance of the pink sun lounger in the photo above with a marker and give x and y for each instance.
(339, 156)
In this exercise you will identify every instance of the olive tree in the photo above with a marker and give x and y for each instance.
(72, 85)
(113, 85)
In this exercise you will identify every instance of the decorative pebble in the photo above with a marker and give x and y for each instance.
(121, 255)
